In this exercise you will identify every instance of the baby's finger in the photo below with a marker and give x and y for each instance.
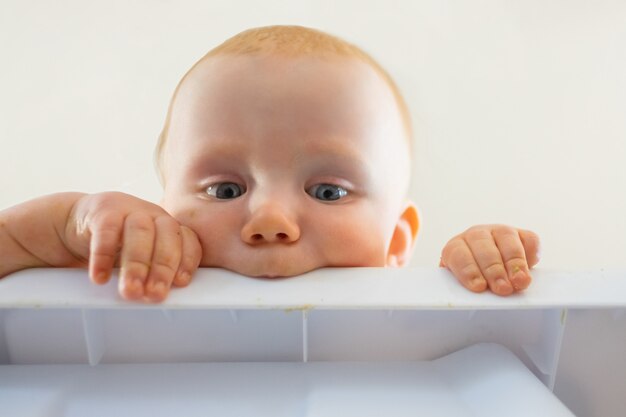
(165, 258)
(136, 254)
(512, 252)
(487, 255)
(532, 246)
(191, 255)
(458, 258)
(106, 234)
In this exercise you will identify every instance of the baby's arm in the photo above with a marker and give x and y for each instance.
(497, 257)
(99, 231)
(31, 234)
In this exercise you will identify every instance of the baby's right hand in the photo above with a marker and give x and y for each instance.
(153, 250)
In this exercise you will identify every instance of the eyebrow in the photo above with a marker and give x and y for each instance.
(218, 154)
(338, 150)
(226, 150)
(230, 150)
(336, 153)
(338, 157)
(334, 158)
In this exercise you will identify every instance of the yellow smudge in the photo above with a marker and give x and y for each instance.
(305, 307)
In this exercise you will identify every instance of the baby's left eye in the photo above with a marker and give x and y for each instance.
(327, 192)
(225, 190)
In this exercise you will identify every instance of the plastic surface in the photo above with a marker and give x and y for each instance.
(483, 380)
(296, 346)
(330, 288)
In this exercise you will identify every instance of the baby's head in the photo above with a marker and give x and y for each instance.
(286, 150)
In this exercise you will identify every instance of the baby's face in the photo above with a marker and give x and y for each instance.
(284, 165)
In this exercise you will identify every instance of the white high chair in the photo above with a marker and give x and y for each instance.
(334, 342)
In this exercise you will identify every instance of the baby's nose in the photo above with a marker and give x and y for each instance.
(270, 225)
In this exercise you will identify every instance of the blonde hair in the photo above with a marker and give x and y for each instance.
(290, 41)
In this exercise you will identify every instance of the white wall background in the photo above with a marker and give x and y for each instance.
(519, 106)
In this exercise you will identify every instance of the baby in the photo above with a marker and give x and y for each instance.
(284, 150)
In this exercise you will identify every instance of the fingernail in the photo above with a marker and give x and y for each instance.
(478, 282)
(102, 277)
(133, 287)
(158, 289)
(517, 279)
(502, 283)
(184, 278)
(539, 252)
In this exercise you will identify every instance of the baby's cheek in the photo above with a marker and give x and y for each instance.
(356, 243)
(186, 217)
(193, 219)
(219, 237)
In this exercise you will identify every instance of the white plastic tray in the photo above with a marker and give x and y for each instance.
(483, 380)
(330, 288)
(309, 345)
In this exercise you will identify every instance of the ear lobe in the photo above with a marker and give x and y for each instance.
(404, 235)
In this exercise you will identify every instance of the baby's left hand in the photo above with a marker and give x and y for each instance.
(492, 256)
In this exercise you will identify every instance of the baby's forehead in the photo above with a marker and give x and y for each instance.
(266, 58)
(251, 95)
(248, 70)
(341, 74)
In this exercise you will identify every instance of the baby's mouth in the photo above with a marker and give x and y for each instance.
(272, 276)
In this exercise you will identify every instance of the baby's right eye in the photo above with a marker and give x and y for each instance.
(327, 192)
(225, 190)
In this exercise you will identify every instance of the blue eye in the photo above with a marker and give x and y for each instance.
(327, 192)
(225, 190)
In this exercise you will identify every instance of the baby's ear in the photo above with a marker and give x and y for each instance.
(401, 246)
